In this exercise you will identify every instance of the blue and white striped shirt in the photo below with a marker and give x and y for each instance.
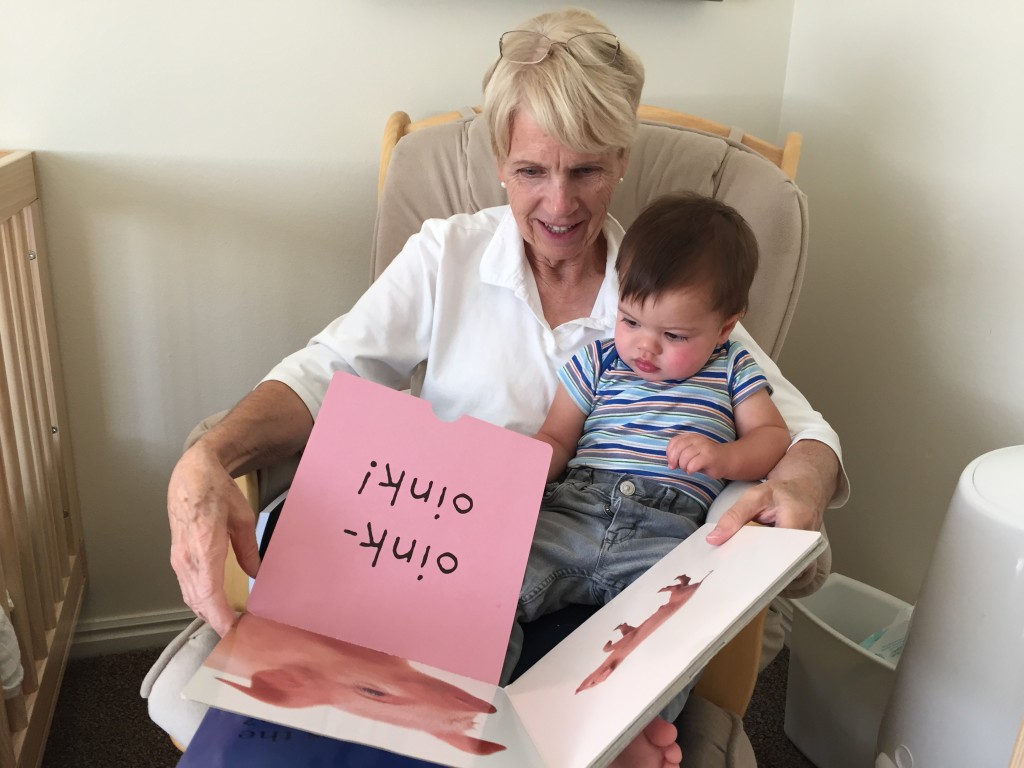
(630, 421)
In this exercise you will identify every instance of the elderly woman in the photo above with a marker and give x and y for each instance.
(495, 302)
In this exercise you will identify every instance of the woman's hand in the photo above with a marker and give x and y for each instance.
(794, 495)
(206, 509)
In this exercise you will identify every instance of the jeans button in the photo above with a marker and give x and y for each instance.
(626, 488)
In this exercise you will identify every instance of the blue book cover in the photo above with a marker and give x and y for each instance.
(228, 740)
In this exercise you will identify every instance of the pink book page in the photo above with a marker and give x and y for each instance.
(293, 677)
(404, 533)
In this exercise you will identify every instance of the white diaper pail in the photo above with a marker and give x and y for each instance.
(958, 697)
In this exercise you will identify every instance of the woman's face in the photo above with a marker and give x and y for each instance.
(559, 197)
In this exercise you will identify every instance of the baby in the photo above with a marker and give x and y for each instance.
(647, 427)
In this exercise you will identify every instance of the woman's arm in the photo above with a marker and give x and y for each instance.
(383, 337)
(809, 478)
(389, 331)
(794, 495)
(206, 509)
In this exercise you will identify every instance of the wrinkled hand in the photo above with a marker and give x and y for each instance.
(694, 453)
(206, 510)
(778, 502)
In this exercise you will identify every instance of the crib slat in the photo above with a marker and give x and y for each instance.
(51, 517)
(17, 481)
(28, 623)
(22, 588)
(24, 436)
(14, 706)
(64, 466)
(6, 740)
(13, 717)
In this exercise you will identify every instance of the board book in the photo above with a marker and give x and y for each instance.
(383, 607)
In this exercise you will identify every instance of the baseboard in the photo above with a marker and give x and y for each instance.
(100, 637)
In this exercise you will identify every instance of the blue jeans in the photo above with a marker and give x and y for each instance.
(598, 531)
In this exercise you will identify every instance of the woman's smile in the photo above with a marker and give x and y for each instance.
(558, 230)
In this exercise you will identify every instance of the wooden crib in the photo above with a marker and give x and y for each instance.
(42, 566)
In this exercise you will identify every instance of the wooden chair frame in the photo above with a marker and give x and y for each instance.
(786, 157)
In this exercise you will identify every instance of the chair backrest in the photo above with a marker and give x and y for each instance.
(448, 167)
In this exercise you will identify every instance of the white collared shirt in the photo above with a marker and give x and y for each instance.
(461, 295)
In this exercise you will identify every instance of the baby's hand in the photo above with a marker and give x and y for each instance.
(695, 453)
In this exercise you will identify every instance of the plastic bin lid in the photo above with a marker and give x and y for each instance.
(998, 478)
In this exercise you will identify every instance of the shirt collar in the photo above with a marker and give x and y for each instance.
(497, 268)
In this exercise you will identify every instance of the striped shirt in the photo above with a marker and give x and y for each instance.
(630, 421)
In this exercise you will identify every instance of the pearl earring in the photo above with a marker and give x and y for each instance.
(503, 185)
(620, 179)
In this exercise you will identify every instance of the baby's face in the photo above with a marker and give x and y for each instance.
(671, 336)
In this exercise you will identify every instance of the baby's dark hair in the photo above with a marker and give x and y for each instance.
(684, 239)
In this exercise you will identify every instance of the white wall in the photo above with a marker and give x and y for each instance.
(208, 175)
(909, 332)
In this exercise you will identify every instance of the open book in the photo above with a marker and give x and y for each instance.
(361, 635)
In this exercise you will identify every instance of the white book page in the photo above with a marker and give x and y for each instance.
(582, 703)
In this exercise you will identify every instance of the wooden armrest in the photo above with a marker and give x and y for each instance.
(236, 582)
(729, 678)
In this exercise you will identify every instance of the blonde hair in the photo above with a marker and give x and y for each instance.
(589, 109)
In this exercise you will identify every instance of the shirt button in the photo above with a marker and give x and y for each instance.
(626, 488)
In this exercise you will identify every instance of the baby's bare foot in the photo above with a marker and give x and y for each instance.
(654, 747)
